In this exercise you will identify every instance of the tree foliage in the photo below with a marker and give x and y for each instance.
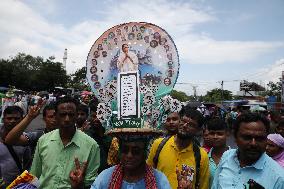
(274, 89)
(79, 80)
(181, 96)
(32, 73)
(215, 95)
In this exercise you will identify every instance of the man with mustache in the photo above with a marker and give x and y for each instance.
(249, 162)
(180, 151)
(56, 151)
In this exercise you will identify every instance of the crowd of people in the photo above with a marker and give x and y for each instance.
(73, 150)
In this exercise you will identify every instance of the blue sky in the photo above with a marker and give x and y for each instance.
(216, 40)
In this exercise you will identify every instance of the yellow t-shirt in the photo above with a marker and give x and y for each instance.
(171, 158)
(112, 158)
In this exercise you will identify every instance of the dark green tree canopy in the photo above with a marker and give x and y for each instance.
(32, 73)
(274, 89)
(217, 95)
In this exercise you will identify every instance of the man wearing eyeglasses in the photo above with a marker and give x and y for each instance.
(181, 151)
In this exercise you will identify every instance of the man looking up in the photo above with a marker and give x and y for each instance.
(180, 151)
(238, 167)
(55, 151)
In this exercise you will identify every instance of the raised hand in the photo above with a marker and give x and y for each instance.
(78, 174)
(35, 110)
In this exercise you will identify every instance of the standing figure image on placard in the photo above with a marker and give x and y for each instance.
(127, 60)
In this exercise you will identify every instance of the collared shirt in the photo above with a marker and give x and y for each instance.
(212, 166)
(53, 161)
(171, 158)
(264, 171)
(102, 181)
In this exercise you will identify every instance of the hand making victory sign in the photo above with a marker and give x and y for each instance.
(77, 176)
(35, 110)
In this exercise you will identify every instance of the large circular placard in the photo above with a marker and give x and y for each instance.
(150, 46)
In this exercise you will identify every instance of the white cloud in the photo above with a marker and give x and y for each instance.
(205, 50)
(262, 76)
(269, 73)
(26, 30)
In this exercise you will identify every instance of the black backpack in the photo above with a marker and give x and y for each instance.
(196, 151)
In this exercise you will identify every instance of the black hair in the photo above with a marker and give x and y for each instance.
(13, 110)
(216, 124)
(193, 114)
(94, 104)
(66, 99)
(250, 117)
(46, 108)
(83, 108)
(281, 123)
(123, 45)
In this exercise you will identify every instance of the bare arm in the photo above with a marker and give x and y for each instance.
(15, 136)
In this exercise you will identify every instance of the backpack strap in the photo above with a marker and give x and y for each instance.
(159, 149)
(15, 157)
(197, 156)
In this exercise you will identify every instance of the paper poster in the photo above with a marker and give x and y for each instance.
(128, 95)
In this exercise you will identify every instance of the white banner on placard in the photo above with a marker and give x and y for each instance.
(128, 95)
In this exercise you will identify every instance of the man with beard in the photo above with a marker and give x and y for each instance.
(55, 151)
(13, 159)
(238, 167)
(181, 151)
